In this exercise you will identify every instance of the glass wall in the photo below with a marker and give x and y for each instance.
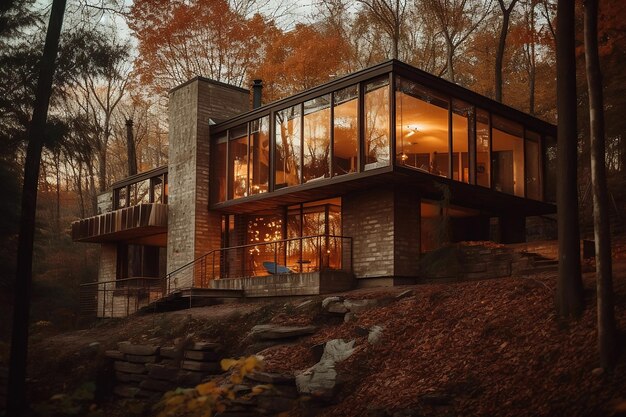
(376, 119)
(259, 155)
(533, 165)
(462, 134)
(143, 191)
(288, 147)
(219, 171)
(422, 139)
(346, 130)
(507, 156)
(238, 161)
(316, 163)
(483, 168)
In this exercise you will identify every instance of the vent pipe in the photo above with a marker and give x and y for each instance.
(257, 91)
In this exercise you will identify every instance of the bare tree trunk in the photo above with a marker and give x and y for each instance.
(569, 298)
(607, 334)
(16, 399)
(504, 31)
(57, 163)
(130, 148)
(449, 63)
(102, 168)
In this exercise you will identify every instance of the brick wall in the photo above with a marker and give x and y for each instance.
(192, 229)
(385, 230)
(107, 271)
(368, 218)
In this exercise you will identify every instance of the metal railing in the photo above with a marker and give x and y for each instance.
(286, 256)
(120, 297)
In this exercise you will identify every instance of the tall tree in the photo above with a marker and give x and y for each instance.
(390, 15)
(569, 298)
(131, 152)
(457, 20)
(504, 31)
(19, 340)
(607, 336)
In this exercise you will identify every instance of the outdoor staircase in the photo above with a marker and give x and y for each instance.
(191, 297)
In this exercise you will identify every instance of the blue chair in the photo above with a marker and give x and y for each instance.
(274, 268)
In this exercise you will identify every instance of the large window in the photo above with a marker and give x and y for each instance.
(219, 171)
(238, 161)
(483, 169)
(316, 164)
(288, 147)
(259, 155)
(376, 141)
(421, 128)
(346, 130)
(507, 156)
(462, 134)
(533, 165)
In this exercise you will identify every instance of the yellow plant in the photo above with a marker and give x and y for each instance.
(208, 398)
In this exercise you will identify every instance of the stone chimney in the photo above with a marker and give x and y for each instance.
(193, 230)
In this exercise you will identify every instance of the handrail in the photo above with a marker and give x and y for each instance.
(199, 259)
(86, 284)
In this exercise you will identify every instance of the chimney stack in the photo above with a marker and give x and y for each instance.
(257, 91)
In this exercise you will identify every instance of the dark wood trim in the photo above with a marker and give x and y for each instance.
(329, 87)
(139, 177)
(392, 118)
(331, 132)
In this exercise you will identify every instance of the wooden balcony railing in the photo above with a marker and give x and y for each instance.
(142, 219)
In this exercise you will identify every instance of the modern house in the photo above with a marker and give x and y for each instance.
(344, 184)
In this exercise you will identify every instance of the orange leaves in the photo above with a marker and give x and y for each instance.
(179, 40)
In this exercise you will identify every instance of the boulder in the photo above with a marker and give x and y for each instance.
(328, 300)
(321, 379)
(337, 307)
(130, 368)
(375, 335)
(356, 306)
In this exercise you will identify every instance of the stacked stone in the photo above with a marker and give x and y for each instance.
(278, 395)
(147, 371)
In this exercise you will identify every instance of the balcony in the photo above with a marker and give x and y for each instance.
(307, 265)
(134, 222)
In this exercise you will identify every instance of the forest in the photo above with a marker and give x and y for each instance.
(117, 60)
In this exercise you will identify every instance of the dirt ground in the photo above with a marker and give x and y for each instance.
(489, 348)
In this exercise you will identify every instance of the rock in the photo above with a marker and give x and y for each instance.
(337, 350)
(271, 331)
(272, 378)
(95, 345)
(304, 305)
(405, 294)
(205, 346)
(356, 306)
(115, 354)
(209, 367)
(326, 301)
(597, 371)
(143, 350)
(141, 359)
(321, 379)
(375, 335)
(198, 355)
(161, 371)
(350, 316)
(169, 352)
(336, 308)
(130, 368)
(126, 391)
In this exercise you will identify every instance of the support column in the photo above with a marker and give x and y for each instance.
(193, 230)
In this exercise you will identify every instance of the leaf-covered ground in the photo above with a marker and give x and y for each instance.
(485, 348)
